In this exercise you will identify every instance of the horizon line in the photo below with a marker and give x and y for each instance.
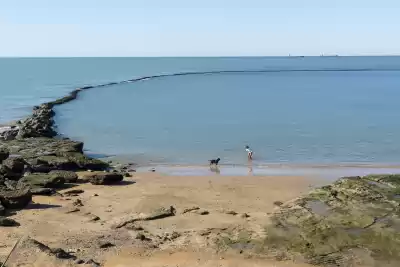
(213, 56)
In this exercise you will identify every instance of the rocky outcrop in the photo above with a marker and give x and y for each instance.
(9, 132)
(69, 176)
(354, 220)
(39, 124)
(43, 180)
(15, 199)
(105, 178)
(15, 165)
(46, 154)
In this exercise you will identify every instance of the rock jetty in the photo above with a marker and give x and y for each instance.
(35, 160)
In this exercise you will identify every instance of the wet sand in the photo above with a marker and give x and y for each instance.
(223, 203)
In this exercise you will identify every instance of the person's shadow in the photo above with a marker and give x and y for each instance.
(215, 169)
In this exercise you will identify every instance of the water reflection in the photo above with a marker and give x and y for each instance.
(215, 169)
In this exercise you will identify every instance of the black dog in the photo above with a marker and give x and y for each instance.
(214, 161)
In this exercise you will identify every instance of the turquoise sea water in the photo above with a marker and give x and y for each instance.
(289, 110)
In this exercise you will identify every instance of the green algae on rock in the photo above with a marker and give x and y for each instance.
(355, 220)
(337, 225)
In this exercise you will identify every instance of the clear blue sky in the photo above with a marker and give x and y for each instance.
(198, 28)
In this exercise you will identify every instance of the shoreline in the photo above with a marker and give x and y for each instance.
(323, 172)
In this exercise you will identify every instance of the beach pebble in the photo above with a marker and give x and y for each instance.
(105, 244)
(78, 203)
(141, 237)
(72, 210)
(201, 212)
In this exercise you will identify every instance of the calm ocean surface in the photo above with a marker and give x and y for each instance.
(295, 110)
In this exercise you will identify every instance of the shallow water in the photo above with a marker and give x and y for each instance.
(329, 174)
(296, 110)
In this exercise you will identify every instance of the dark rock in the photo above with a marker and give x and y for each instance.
(83, 162)
(57, 252)
(201, 212)
(105, 244)
(93, 218)
(186, 210)
(43, 191)
(42, 180)
(69, 176)
(134, 227)
(4, 154)
(73, 192)
(127, 174)
(16, 165)
(141, 236)
(78, 203)
(230, 212)
(79, 261)
(7, 222)
(16, 199)
(53, 162)
(2, 210)
(105, 178)
(278, 203)
(72, 210)
(175, 235)
(7, 173)
(62, 254)
(92, 263)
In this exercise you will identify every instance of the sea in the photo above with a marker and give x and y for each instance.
(289, 110)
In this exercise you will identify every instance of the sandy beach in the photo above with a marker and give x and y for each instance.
(206, 206)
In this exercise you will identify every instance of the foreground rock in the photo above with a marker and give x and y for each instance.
(69, 176)
(46, 154)
(57, 252)
(15, 199)
(7, 222)
(353, 221)
(43, 191)
(105, 178)
(157, 214)
(43, 180)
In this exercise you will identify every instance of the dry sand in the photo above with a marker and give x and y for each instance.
(50, 220)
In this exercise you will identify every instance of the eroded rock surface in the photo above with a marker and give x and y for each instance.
(354, 220)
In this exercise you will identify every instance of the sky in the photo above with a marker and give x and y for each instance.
(198, 28)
